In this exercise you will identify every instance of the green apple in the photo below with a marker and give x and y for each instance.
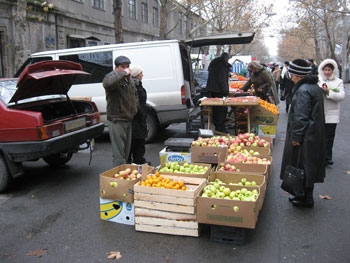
(236, 208)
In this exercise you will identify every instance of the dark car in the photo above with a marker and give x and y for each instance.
(39, 120)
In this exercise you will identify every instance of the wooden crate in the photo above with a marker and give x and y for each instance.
(168, 211)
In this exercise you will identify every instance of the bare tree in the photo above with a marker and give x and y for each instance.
(118, 24)
(20, 32)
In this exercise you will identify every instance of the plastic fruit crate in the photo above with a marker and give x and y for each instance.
(231, 235)
(193, 126)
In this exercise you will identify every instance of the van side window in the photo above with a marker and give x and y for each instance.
(98, 64)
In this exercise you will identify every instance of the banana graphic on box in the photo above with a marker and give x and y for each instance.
(268, 129)
(110, 209)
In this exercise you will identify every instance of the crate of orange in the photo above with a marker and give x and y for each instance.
(167, 204)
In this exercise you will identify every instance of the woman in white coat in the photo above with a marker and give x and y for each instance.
(334, 93)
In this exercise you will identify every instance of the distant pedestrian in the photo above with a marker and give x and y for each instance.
(287, 85)
(314, 68)
(305, 136)
(334, 93)
(276, 74)
(139, 123)
(121, 100)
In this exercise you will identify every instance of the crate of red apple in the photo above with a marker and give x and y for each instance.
(217, 148)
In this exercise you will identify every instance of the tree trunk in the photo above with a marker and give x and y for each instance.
(118, 24)
(163, 20)
(20, 20)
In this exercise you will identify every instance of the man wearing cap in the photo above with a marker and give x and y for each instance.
(121, 97)
(305, 137)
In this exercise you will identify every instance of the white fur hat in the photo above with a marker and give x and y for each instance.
(136, 70)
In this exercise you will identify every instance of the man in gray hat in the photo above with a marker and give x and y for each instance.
(121, 97)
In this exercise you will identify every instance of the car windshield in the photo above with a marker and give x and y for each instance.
(7, 89)
(201, 76)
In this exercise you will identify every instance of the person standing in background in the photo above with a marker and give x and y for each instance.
(122, 102)
(334, 93)
(139, 123)
(287, 85)
(217, 86)
(305, 137)
(314, 68)
(276, 74)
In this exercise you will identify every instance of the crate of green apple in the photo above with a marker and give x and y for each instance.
(244, 180)
(229, 205)
(200, 170)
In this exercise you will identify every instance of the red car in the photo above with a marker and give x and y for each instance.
(39, 120)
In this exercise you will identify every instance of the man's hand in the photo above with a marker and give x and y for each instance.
(294, 143)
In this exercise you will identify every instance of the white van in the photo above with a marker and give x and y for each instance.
(168, 73)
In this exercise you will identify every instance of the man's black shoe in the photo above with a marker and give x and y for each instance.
(303, 203)
(330, 162)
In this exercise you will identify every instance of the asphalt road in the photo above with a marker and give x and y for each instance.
(55, 213)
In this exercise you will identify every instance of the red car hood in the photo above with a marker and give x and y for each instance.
(54, 77)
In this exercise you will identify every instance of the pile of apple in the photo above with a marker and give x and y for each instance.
(128, 174)
(186, 168)
(217, 190)
(215, 141)
(249, 140)
(243, 182)
(227, 167)
(245, 156)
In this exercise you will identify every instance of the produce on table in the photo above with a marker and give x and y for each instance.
(269, 106)
(243, 182)
(186, 168)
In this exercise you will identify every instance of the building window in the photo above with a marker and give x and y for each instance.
(99, 4)
(155, 15)
(132, 9)
(180, 22)
(144, 12)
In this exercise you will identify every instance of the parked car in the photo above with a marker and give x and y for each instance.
(39, 120)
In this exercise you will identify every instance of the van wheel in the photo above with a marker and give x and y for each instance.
(58, 159)
(5, 177)
(152, 128)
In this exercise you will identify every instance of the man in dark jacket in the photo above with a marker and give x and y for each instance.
(217, 86)
(305, 137)
(121, 99)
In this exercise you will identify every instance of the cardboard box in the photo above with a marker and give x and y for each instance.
(117, 211)
(198, 175)
(168, 211)
(210, 155)
(228, 178)
(120, 189)
(260, 150)
(216, 211)
(165, 156)
(267, 130)
(260, 115)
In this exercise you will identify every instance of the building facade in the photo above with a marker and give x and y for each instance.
(59, 24)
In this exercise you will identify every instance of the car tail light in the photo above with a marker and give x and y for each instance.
(50, 131)
(183, 95)
(93, 119)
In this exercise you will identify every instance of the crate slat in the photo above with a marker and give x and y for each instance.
(164, 214)
(164, 199)
(165, 207)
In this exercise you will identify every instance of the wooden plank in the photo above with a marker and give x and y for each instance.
(165, 207)
(166, 222)
(164, 214)
(164, 199)
(167, 230)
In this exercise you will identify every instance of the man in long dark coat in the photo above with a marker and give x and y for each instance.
(305, 130)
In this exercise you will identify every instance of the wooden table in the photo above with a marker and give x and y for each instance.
(227, 103)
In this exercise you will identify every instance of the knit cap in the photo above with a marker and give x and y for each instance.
(136, 70)
(299, 67)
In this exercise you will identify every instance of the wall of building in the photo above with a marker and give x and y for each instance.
(76, 22)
